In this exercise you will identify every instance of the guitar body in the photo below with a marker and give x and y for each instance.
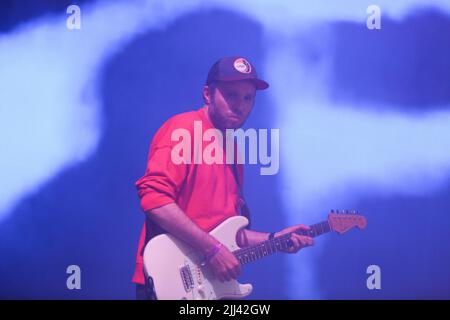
(176, 270)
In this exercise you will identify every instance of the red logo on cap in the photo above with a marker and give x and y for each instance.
(242, 65)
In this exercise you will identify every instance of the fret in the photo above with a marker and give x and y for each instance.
(285, 244)
(316, 230)
(319, 229)
(279, 245)
(264, 250)
(241, 260)
(271, 247)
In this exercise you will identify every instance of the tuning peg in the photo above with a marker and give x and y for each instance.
(332, 211)
(346, 211)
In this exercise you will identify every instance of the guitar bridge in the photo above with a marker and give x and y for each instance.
(186, 277)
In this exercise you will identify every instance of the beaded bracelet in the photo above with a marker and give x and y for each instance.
(212, 253)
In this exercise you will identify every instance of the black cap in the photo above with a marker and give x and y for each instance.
(234, 69)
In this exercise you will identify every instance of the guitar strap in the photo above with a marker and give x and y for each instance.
(244, 210)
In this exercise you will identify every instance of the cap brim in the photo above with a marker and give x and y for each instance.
(260, 84)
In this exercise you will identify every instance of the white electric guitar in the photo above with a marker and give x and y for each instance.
(177, 273)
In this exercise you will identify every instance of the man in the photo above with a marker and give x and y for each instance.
(189, 199)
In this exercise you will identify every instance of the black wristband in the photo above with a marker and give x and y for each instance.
(271, 235)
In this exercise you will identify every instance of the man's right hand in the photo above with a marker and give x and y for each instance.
(225, 265)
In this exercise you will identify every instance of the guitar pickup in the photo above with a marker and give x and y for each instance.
(186, 277)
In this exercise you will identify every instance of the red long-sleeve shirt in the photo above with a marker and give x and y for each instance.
(207, 193)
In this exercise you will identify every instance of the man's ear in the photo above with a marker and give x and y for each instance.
(207, 94)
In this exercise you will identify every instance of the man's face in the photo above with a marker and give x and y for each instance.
(231, 103)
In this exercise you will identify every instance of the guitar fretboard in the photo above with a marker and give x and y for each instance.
(281, 243)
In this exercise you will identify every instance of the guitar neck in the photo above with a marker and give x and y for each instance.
(281, 243)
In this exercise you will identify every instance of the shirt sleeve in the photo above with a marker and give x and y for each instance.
(163, 178)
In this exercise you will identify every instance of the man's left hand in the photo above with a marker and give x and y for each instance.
(298, 241)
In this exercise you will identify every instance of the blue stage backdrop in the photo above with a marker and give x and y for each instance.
(360, 95)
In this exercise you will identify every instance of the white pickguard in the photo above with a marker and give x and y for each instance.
(165, 257)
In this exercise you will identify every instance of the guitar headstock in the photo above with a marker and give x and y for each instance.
(343, 220)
